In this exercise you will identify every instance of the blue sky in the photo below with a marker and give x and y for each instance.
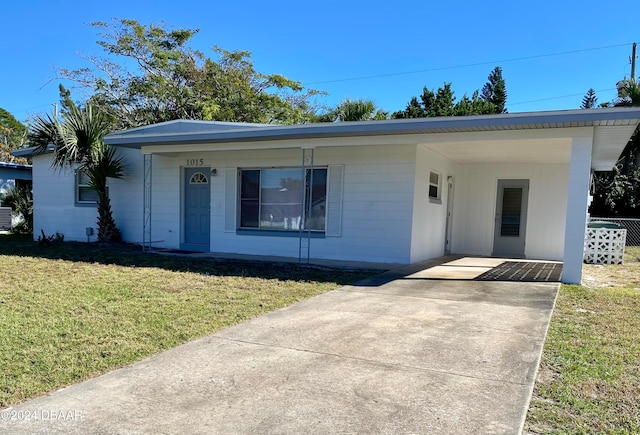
(384, 51)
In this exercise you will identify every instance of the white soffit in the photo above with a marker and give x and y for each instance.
(548, 150)
(608, 143)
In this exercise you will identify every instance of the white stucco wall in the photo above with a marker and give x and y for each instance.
(165, 202)
(126, 196)
(475, 207)
(55, 209)
(429, 217)
(386, 212)
(376, 213)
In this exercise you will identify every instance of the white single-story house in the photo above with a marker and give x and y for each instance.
(396, 191)
(14, 174)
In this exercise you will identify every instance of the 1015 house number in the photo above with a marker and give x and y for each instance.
(195, 162)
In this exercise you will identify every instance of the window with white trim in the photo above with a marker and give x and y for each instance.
(85, 194)
(278, 198)
(434, 185)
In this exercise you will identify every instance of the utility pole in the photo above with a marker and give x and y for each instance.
(633, 62)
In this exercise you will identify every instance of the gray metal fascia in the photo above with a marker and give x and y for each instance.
(31, 151)
(18, 166)
(178, 126)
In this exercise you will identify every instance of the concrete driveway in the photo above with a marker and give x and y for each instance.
(403, 352)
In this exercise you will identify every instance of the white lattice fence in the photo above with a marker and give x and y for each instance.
(604, 246)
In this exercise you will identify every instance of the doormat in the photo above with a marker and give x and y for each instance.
(523, 271)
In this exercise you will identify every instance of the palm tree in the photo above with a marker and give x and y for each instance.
(628, 93)
(78, 139)
(354, 110)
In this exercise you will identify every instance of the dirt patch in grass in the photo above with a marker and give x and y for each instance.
(73, 311)
(614, 275)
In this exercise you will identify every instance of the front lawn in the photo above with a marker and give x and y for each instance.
(589, 378)
(72, 311)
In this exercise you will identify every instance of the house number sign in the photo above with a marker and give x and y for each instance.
(195, 162)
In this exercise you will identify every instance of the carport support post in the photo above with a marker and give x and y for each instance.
(146, 207)
(577, 204)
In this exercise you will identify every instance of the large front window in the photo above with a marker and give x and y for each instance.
(277, 198)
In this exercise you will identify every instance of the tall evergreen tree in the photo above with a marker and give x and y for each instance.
(414, 109)
(495, 90)
(442, 102)
(589, 100)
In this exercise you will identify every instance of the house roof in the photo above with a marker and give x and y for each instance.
(31, 151)
(184, 132)
(188, 126)
(15, 171)
(465, 139)
(18, 166)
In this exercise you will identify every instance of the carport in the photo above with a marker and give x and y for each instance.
(540, 162)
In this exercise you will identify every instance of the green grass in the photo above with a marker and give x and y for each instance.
(73, 311)
(589, 378)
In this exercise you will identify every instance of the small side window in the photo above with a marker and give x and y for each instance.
(85, 194)
(434, 185)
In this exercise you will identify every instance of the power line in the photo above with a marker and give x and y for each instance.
(30, 108)
(515, 59)
(466, 65)
(559, 98)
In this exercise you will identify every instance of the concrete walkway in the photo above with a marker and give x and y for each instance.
(402, 352)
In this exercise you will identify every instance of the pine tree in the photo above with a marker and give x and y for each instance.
(442, 102)
(495, 90)
(589, 100)
(413, 110)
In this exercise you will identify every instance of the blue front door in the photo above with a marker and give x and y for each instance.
(197, 213)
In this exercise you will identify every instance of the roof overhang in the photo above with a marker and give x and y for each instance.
(16, 166)
(32, 151)
(459, 138)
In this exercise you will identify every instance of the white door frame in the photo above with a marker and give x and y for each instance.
(505, 242)
(449, 218)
